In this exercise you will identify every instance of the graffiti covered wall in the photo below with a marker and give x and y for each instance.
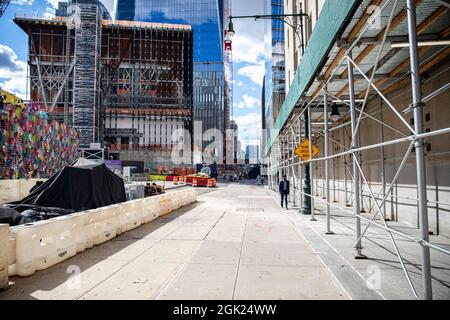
(29, 142)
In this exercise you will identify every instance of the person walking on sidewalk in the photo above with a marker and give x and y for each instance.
(283, 188)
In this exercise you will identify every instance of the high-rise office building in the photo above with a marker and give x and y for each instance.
(275, 79)
(252, 154)
(274, 82)
(211, 85)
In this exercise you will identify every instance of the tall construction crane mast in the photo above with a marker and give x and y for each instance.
(3, 6)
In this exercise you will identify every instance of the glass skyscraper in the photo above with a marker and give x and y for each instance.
(275, 78)
(211, 89)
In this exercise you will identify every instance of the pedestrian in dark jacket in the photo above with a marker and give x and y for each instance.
(283, 188)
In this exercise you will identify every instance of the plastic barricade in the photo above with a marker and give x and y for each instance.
(130, 215)
(80, 219)
(39, 245)
(4, 255)
(165, 202)
(101, 224)
(176, 199)
(12, 253)
(150, 209)
(43, 244)
(9, 190)
(188, 196)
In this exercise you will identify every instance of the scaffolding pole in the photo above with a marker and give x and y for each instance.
(419, 148)
(327, 169)
(355, 145)
(415, 137)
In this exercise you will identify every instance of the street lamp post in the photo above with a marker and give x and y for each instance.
(289, 19)
(306, 206)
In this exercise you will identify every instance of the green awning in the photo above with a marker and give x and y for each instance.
(332, 18)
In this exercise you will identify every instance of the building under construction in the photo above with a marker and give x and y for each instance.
(126, 85)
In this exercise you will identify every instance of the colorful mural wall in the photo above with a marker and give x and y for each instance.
(30, 143)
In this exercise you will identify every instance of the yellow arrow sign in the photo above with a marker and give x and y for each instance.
(303, 150)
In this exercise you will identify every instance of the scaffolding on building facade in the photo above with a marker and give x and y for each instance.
(366, 73)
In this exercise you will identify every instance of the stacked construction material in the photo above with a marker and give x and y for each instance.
(153, 189)
(30, 142)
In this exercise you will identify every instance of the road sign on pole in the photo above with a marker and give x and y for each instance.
(303, 150)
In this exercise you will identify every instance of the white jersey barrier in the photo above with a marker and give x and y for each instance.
(16, 189)
(40, 245)
(4, 255)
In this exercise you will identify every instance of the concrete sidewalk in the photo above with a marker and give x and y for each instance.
(381, 275)
(234, 243)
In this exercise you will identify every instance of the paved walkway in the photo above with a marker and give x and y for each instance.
(234, 243)
(381, 275)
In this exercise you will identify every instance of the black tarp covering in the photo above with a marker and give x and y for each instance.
(10, 216)
(78, 187)
(14, 214)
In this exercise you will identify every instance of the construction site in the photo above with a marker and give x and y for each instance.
(357, 150)
(124, 85)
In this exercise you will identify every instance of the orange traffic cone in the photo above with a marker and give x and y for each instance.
(181, 179)
(175, 180)
(209, 183)
(194, 182)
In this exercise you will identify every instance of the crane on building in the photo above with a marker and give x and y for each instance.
(3, 6)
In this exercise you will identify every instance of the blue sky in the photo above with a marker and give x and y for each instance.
(248, 57)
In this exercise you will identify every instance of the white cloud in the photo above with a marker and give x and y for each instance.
(13, 72)
(248, 102)
(9, 65)
(248, 42)
(249, 128)
(54, 3)
(240, 84)
(254, 71)
(16, 85)
(22, 2)
(247, 49)
(49, 13)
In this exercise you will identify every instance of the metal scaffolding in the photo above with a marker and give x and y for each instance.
(361, 67)
(3, 5)
(86, 84)
(94, 72)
